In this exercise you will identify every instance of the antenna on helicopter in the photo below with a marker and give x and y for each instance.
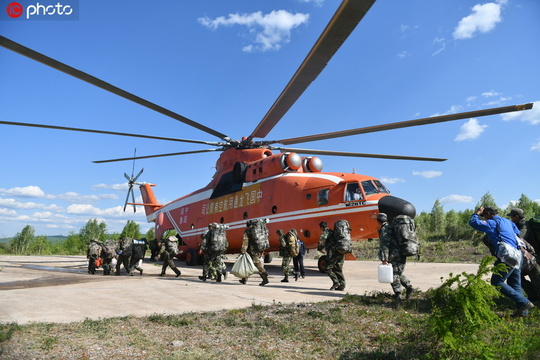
(131, 181)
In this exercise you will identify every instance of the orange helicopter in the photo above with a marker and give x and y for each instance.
(252, 181)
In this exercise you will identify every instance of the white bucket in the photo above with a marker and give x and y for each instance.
(386, 274)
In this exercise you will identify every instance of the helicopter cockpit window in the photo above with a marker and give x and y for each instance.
(322, 197)
(381, 187)
(369, 188)
(353, 192)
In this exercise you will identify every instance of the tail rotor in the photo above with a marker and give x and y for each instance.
(132, 181)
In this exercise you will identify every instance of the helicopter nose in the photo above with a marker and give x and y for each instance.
(394, 206)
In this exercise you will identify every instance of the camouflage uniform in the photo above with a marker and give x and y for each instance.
(125, 248)
(93, 253)
(167, 252)
(248, 245)
(139, 250)
(286, 256)
(532, 286)
(334, 259)
(108, 253)
(214, 267)
(389, 253)
(154, 249)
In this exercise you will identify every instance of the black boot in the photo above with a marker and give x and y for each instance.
(203, 278)
(218, 277)
(265, 279)
(178, 272)
(285, 279)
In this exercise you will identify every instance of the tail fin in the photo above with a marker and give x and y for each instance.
(150, 203)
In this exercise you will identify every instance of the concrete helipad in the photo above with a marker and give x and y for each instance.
(59, 289)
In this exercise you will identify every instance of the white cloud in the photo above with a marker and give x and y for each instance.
(270, 30)
(27, 191)
(483, 19)
(14, 204)
(531, 116)
(390, 181)
(470, 130)
(491, 93)
(403, 54)
(451, 199)
(118, 187)
(7, 212)
(317, 3)
(428, 174)
(441, 45)
(536, 146)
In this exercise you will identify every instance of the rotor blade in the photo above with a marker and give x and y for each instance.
(155, 156)
(133, 200)
(127, 177)
(111, 133)
(55, 64)
(127, 197)
(133, 165)
(139, 174)
(347, 16)
(404, 124)
(352, 154)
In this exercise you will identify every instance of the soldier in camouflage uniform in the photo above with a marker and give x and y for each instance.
(137, 254)
(334, 259)
(124, 250)
(154, 249)
(389, 253)
(249, 245)
(213, 267)
(285, 253)
(93, 253)
(167, 251)
(108, 254)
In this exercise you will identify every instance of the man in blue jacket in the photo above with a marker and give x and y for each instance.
(500, 229)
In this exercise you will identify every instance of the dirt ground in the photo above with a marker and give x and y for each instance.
(59, 289)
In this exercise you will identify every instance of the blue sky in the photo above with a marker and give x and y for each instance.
(223, 64)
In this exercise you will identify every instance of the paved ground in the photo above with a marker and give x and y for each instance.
(59, 289)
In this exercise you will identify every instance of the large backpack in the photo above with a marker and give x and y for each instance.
(171, 245)
(258, 235)
(292, 243)
(109, 249)
(94, 249)
(218, 239)
(342, 237)
(405, 231)
(533, 234)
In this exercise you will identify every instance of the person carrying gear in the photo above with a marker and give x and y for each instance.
(255, 243)
(124, 250)
(137, 255)
(214, 245)
(334, 258)
(108, 253)
(389, 253)
(93, 255)
(167, 251)
(288, 248)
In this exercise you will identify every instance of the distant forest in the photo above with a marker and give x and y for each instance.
(437, 225)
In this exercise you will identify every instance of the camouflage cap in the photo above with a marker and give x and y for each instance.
(516, 211)
(172, 238)
(382, 217)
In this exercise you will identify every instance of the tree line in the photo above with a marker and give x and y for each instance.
(454, 225)
(27, 243)
(437, 225)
